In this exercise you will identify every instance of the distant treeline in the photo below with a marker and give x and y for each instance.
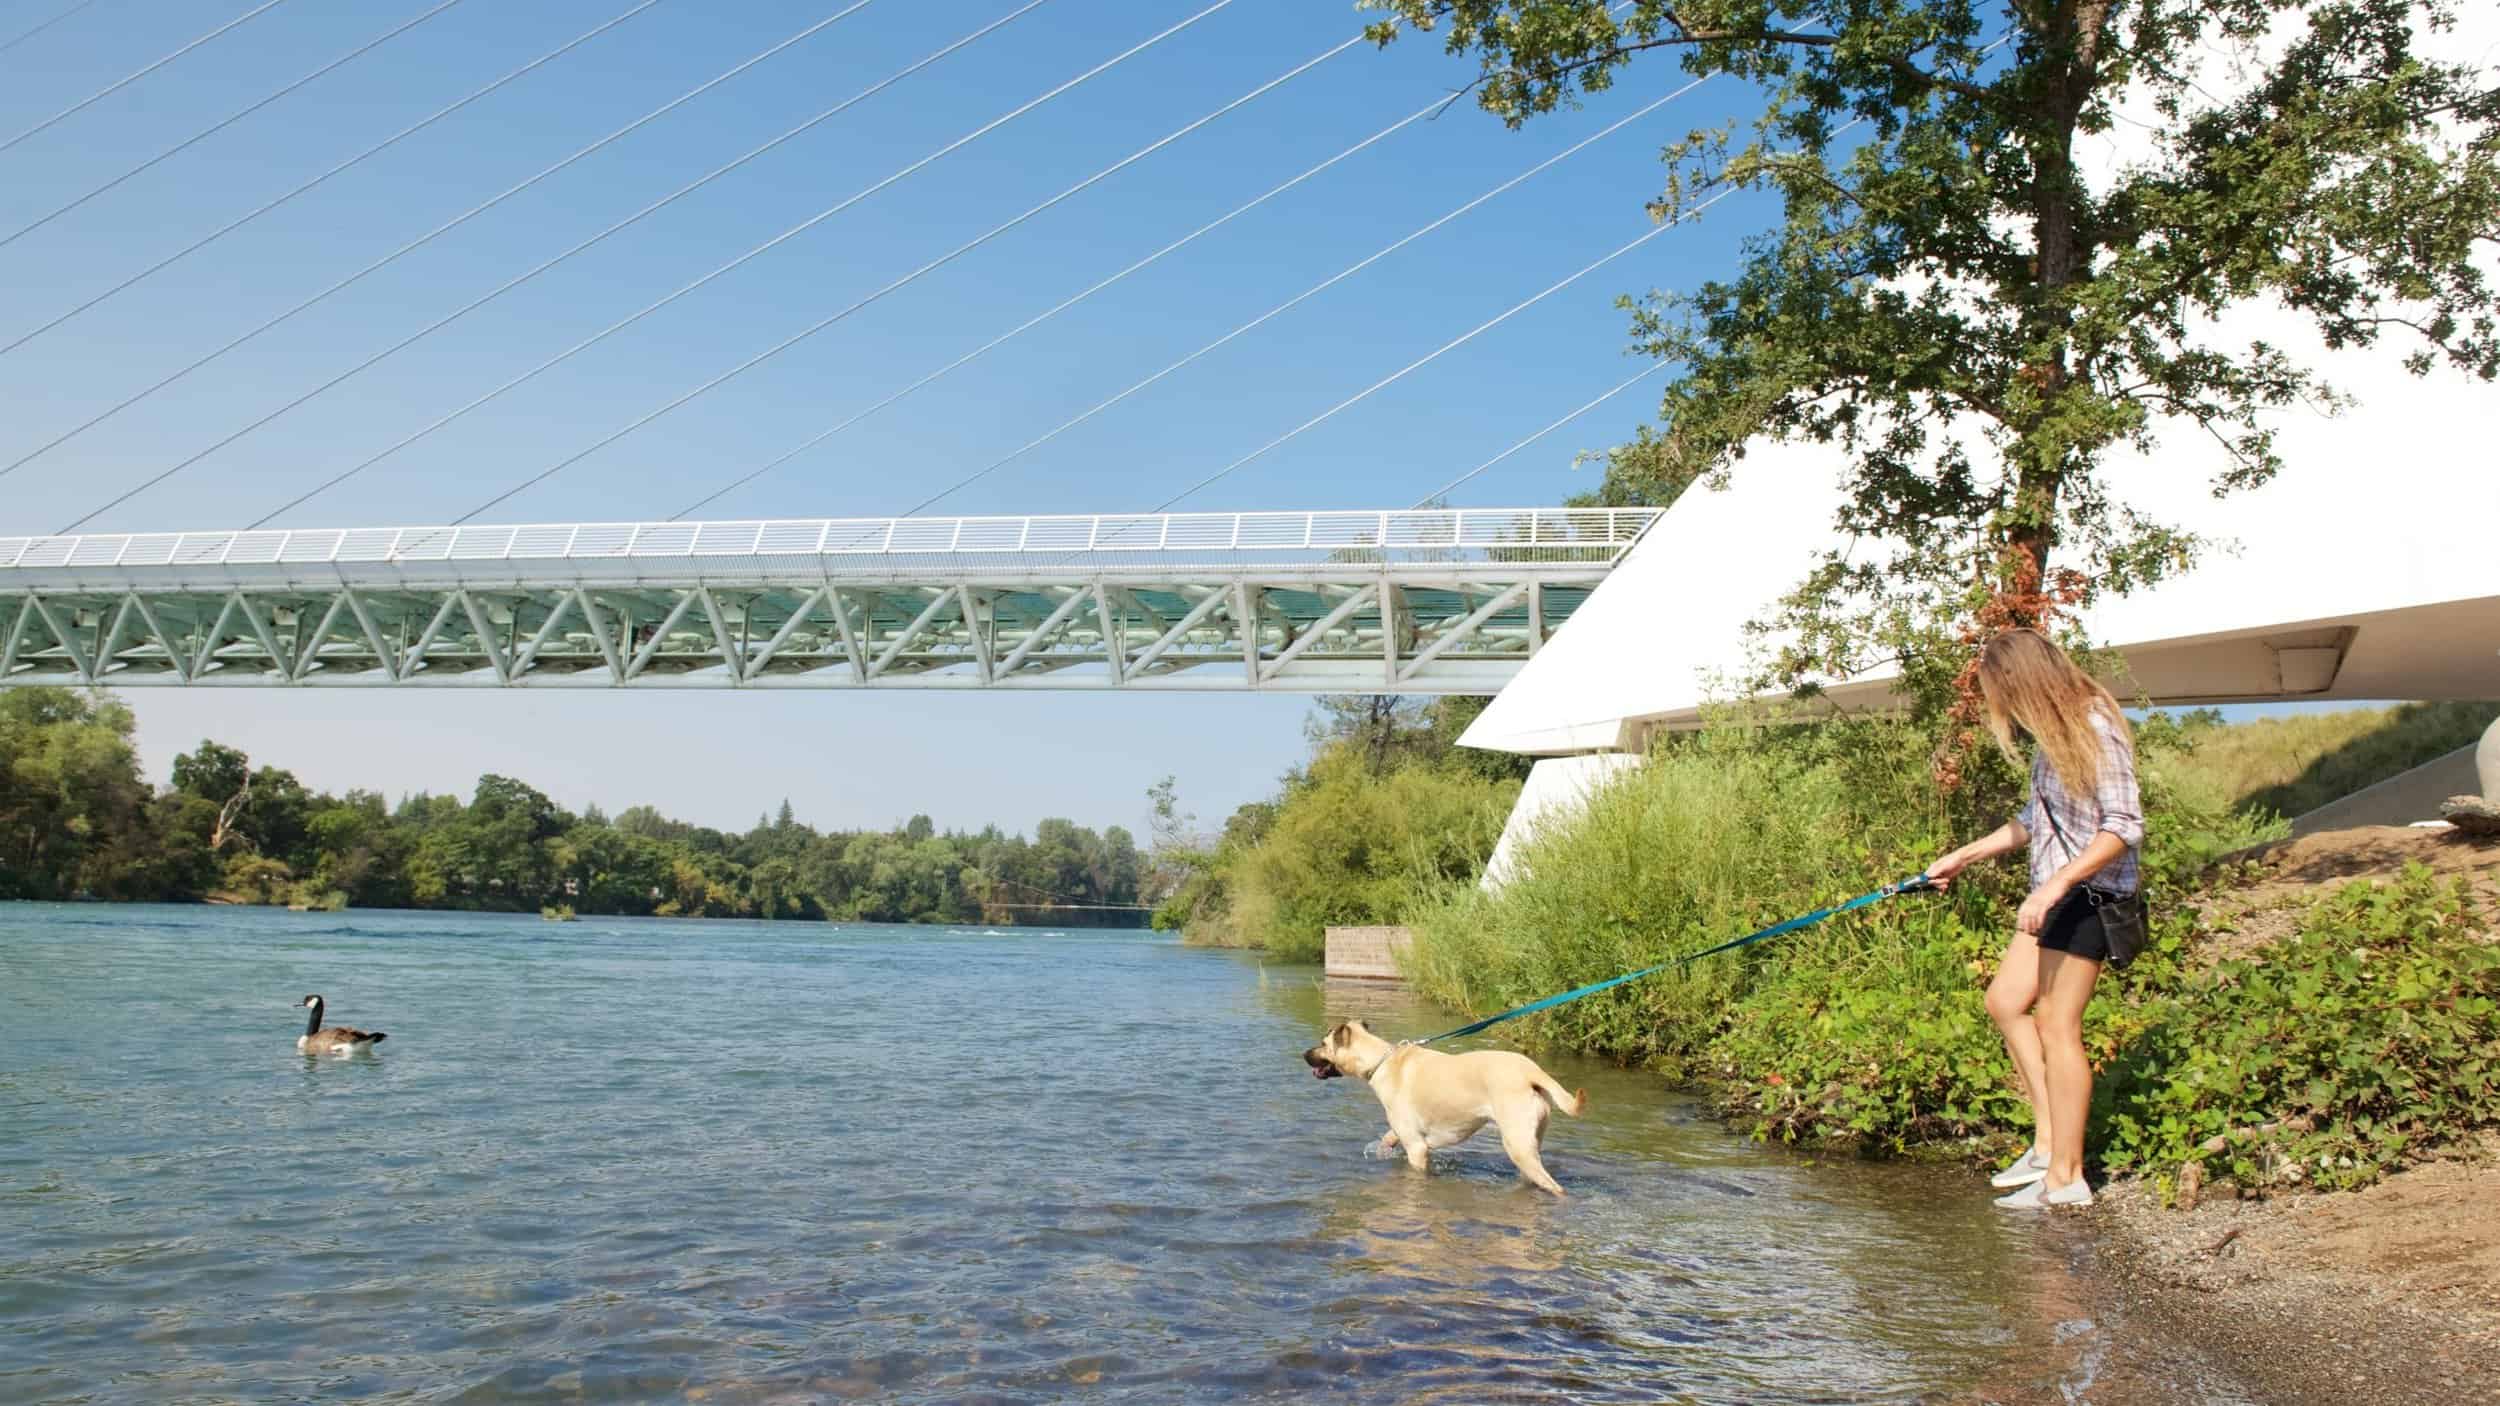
(77, 820)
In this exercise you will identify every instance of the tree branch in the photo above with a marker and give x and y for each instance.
(1684, 37)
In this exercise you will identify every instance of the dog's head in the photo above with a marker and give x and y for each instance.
(1349, 1051)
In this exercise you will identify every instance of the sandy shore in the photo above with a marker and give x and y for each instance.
(2389, 1294)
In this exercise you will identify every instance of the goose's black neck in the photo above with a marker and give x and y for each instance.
(312, 1026)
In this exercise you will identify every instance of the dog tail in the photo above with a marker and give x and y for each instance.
(1569, 1102)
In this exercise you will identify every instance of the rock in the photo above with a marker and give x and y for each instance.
(2472, 815)
(2191, 1185)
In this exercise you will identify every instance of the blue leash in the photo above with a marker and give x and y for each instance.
(1914, 884)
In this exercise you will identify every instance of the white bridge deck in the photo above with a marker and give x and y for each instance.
(1414, 601)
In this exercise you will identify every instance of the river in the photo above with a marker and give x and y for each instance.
(632, 1160)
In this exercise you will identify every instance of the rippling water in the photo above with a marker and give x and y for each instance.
(745, 1162)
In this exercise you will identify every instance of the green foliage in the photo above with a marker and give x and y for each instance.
(1976, 320)
(1867, 1029)
(2330, 1057)
(213, 773)
(1720, 833)
(75, 819)
(1389, 808)
(253, 878)
(1717, 835)
(1348, 848)
(2372, 1033)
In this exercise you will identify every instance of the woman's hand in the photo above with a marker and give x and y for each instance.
(1942, 871)
(2005, 839)
(2037, 908)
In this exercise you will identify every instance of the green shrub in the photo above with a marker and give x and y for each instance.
(1347, 845)
(312, 897)
(252, 878)
(1718, 834)
(2330, 1057)
(1886, 1048)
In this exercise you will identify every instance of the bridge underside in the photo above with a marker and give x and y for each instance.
(1454, 636)
(1431, 602)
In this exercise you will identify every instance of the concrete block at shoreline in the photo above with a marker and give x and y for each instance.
(1368, 953)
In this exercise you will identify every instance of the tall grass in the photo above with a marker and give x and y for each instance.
(1716, 836)
(2292, 765)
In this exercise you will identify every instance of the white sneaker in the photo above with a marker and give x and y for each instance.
(2039, 1197)
(2022, 1171)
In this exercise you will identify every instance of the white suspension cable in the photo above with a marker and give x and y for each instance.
(111, 88)
(1062, 306)
(1567, 417)
(427, 238)
(25, 34)
(215, 127)
(359, 158)
(794, 231)
(508, 285)
(1419, 114)
(1418, 364)
(1302, 297)
(914, 276)
(1422, 361)
(1635, 378)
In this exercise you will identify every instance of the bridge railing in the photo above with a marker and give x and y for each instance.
(1513, 535)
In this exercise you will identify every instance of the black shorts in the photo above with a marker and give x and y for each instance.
(2074, 928)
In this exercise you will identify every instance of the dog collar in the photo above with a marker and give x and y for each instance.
(1383, 1064)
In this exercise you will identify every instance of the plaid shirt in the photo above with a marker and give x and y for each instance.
(2062, 823)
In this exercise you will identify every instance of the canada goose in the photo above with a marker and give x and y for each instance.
(338, 1039)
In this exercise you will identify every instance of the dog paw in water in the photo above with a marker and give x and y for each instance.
(1386, 1145)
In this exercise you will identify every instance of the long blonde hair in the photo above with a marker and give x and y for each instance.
(2029, 683)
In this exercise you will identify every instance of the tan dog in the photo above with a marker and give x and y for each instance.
(1440, 1100)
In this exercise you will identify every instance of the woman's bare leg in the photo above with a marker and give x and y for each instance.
(2065, 988)
(2010, 997)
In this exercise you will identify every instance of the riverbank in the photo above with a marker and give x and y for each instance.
(2386, 1294)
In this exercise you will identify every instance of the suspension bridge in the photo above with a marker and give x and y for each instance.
(1412, 601)
(1421, 599)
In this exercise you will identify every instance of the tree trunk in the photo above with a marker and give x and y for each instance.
(2061, 260)
(223, 830)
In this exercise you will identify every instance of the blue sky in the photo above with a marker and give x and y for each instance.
(842, 758)
(1395, 447)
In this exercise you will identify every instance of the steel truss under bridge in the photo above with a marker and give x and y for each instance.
(1421, 601)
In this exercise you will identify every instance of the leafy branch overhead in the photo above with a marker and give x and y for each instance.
(2007, 235)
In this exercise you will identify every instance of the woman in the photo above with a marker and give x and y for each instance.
(2083, 824)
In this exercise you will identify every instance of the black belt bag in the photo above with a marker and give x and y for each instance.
(2123, 917)
(2123, 922)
